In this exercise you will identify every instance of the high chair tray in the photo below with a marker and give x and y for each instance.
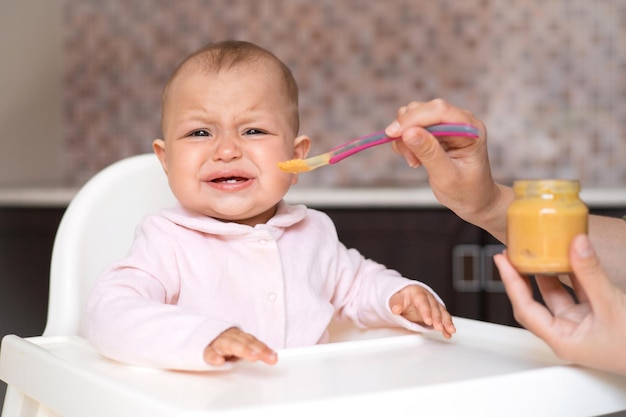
(486, 369)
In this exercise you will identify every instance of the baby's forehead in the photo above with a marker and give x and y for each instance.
(199, 68)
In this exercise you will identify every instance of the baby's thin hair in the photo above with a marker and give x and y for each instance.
(225, 55)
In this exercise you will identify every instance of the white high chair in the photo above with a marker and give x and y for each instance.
(485, 370)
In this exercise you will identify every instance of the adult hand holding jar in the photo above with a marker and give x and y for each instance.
(590, 332)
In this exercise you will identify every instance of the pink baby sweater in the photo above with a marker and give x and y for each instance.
(188, 277)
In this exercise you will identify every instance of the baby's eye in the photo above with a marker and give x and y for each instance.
(255, 132)
(200, 132)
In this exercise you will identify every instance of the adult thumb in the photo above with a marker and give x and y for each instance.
(588, 270)
(425, 148)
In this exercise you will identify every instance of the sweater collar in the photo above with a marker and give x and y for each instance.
(286, 216)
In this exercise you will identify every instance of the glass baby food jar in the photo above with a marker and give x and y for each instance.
(541, 223)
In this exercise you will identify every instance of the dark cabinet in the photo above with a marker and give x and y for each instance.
(26, 238)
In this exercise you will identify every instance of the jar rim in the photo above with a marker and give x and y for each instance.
(546, 186)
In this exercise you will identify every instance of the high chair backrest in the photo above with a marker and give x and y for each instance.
(97, 229)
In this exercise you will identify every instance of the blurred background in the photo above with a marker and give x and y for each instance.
(80, 80)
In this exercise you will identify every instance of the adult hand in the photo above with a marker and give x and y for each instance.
(458, 167)
(591, 332)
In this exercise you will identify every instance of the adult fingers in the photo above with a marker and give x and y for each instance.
(528, 312)
(433, 112)
(590, 275)
(554, 295)
(419, 147)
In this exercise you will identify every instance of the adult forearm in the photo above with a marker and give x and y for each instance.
(492, 216)
(608, 236)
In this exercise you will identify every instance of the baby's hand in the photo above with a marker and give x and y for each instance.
(416, 304)
(235, 344)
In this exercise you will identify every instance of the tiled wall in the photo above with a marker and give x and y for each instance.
(547, 76)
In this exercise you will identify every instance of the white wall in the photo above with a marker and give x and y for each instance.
(31, 112)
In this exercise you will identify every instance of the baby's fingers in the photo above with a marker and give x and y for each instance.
(259, 352)
(447, 326)
(440, 319)
(234, 344)
(215, 357)
(430, 311)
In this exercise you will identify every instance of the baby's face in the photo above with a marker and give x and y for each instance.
(224, 134)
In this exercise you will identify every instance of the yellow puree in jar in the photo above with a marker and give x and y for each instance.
(541, 223)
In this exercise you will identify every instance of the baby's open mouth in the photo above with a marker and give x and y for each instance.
(229, 180)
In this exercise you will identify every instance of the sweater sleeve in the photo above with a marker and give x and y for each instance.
(363, 290)
(131, 313)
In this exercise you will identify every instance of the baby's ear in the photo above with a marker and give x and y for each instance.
(158, 145)
(301, 146)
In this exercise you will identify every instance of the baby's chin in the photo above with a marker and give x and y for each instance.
(250, 219)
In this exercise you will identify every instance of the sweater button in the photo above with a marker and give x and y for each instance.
(271, 297)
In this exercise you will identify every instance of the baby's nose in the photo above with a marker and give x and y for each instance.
(226, 148)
